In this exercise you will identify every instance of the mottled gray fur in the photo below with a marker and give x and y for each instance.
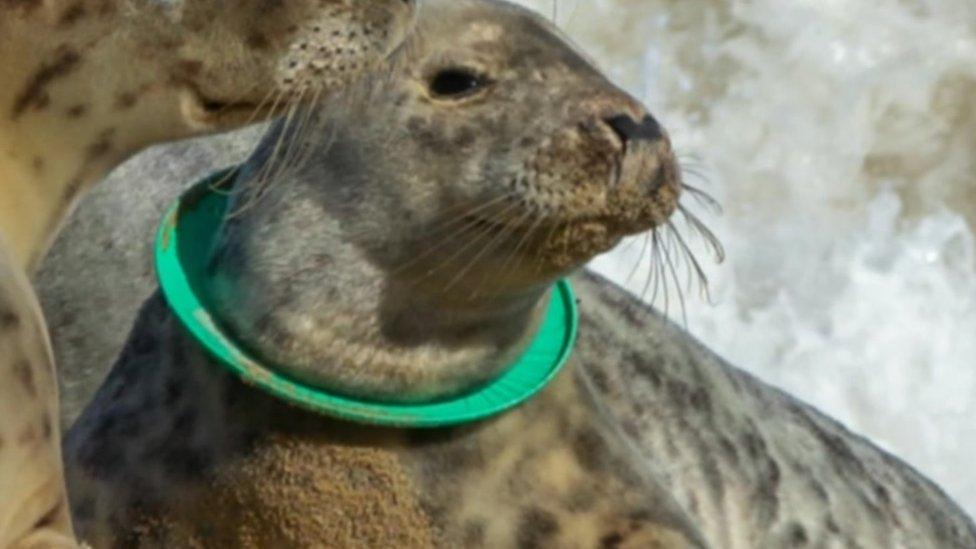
(168, 423)
(341, 308)
(751, 465)
(101, 267)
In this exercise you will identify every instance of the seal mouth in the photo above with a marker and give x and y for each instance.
(223, 112)
(560, 243)
(214, 112)
(612, 224)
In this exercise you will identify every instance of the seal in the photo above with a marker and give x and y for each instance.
(434, 216)
(86, 83)
(752, 467)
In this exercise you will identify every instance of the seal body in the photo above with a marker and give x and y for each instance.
(172, 452)
(175, 452)
(752, 465)
(312, 273)
(188, 454)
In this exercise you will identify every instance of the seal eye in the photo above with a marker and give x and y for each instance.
(454, 83)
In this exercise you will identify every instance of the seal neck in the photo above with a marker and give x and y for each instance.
(331, 316)
(182, 247)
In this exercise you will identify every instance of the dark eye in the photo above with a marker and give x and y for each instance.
(455, 83)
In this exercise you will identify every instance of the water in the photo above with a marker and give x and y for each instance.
(840, 135)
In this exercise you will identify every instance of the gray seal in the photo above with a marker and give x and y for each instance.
(409, 257)
(752, 466)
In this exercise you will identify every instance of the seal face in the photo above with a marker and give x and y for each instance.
(493, 159)
(552, 151)
(308, 48)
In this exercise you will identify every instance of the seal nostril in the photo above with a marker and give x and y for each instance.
(619, 126)
(628, 130)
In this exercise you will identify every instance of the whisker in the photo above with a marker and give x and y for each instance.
(521, 243)
(625, 248)
(459, 253)
(259, 183)
(259, 108)
(466, 209)
(694, 169)
(677, 285)
(269, 104)
(471, 225)
(640, 260)
(704, 199)
(693, 263)
(689, 157)
(464, 215)
(271, 168)
(681, 262)
(519, 224)
(658, 271)
(708, 237)
(524, 240)
(219, 186)
(556, 227)
(296, 141)
(492, 245)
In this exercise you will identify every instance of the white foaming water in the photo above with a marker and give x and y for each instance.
(840, 136)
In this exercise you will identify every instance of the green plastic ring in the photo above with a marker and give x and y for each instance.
(185, 238)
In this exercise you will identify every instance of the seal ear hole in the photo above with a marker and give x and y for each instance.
(455, 83)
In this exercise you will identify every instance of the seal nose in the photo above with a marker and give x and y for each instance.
(629, 130)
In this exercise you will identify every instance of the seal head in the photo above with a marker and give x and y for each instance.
(408, 257)
(305, 48)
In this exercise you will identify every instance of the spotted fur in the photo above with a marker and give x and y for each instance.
(86, 83)
(753, 467)
(173, 452)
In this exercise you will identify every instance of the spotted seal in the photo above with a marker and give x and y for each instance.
(85, 83)
(434, 218)
(751, 465)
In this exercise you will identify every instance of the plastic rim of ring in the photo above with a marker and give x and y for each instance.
(182, 243)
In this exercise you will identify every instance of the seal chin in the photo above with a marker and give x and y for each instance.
(559, 232)
(554, 248)
(578, 243)
(205, 112)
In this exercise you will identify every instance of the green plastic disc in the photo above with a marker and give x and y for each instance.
(182, 244)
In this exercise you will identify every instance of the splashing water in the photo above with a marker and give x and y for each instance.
(840, 137)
